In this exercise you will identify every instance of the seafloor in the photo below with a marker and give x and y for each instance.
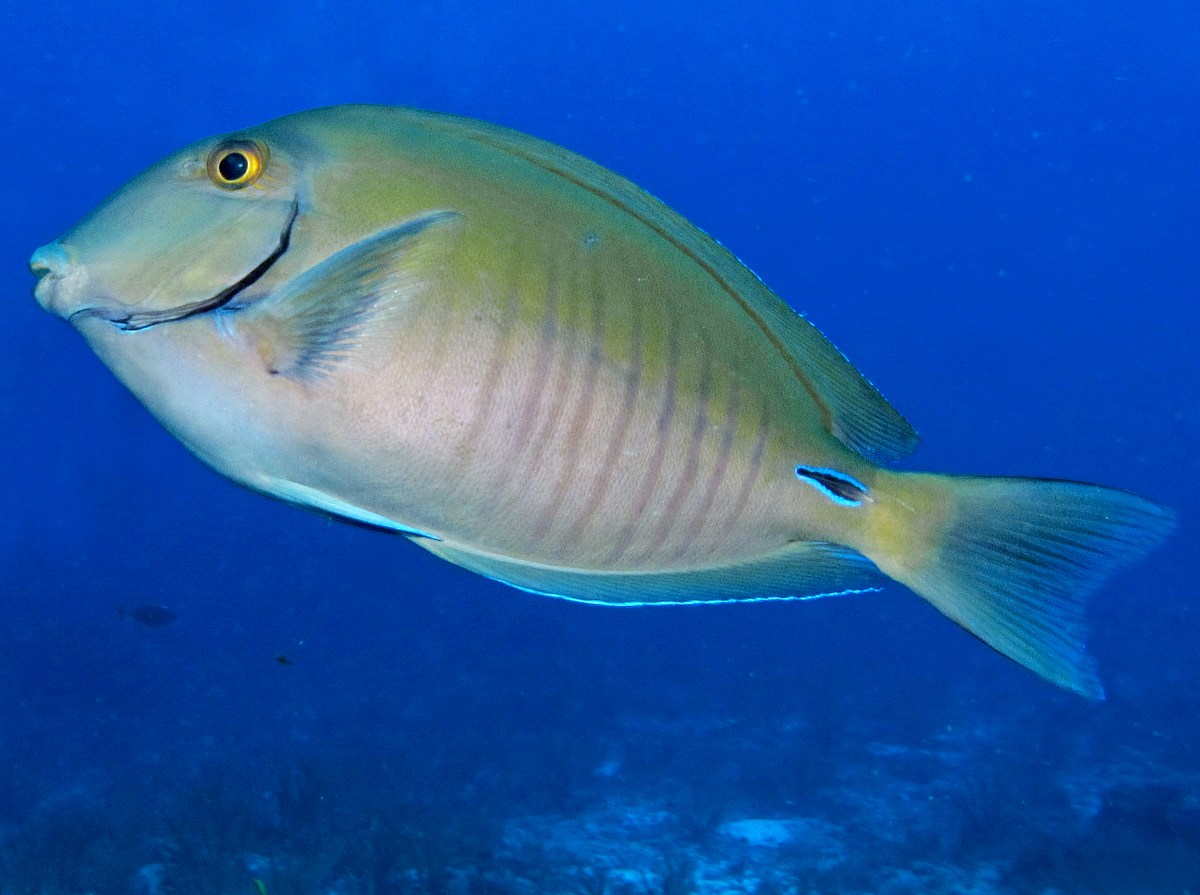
(705, 805)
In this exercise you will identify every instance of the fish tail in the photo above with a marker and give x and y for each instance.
(1013, 560)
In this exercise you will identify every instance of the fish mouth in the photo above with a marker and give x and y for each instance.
(145, 319)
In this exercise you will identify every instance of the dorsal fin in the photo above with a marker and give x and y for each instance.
(859, 416)
(854, 412)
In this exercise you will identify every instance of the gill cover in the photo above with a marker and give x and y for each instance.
(183, 236)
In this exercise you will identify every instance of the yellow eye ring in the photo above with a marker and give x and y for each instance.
(236, 164)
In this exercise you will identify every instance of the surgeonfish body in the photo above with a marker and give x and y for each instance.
(534, 369)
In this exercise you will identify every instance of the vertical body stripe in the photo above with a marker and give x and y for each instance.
(603, 476)
(716, 477)
(582, 416)
(485, 401)
(687, 478)
(555, 390)
(662, 433)
(753, 472)
(535, 386)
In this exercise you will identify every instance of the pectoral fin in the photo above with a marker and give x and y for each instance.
(315, 322)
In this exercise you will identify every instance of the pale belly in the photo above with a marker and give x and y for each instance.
(558, 457)
(530, 444)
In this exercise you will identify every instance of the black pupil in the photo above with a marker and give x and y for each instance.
(234, 166)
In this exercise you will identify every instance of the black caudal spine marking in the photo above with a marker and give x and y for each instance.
(842, 489)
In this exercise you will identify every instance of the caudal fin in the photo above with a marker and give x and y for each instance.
(1014, 560)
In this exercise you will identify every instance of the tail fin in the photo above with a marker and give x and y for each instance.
(1014, 560)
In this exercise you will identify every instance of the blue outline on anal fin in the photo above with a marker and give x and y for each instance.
(801, 570)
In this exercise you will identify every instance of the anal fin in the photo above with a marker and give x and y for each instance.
(799, 571)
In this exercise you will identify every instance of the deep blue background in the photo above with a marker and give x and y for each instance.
(991, 208)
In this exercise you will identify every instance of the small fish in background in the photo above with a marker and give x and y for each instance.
(281, 659)
(534, 369)
(150, 615)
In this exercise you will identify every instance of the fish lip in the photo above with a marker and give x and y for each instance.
(146, 319)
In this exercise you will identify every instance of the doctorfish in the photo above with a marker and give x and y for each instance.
(532, 368)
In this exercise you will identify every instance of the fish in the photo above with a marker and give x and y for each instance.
(151, 615)
(529, 366)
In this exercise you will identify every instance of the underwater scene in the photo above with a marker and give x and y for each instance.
(304, 430)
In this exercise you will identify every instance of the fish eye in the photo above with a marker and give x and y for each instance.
(236, 164)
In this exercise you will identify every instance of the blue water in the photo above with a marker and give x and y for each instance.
(990, 208)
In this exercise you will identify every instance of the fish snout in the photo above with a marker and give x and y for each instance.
(60, 287)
